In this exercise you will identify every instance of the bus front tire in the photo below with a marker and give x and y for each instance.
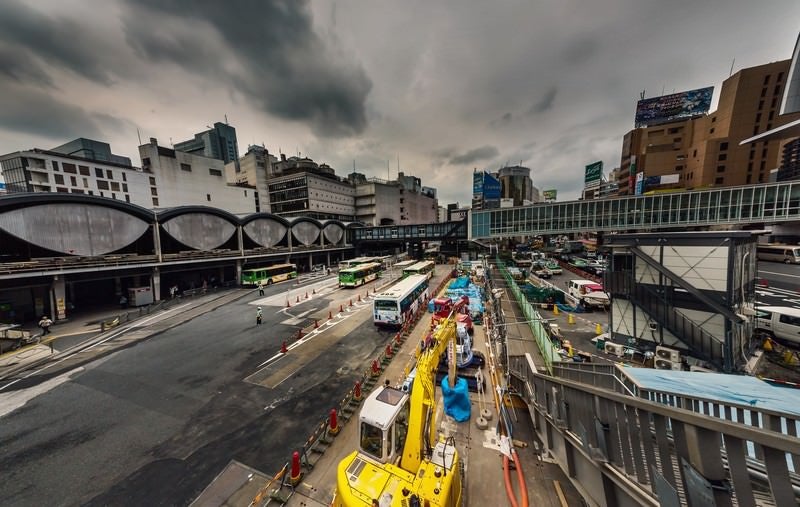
(269, 282)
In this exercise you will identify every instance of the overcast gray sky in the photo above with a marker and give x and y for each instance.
(445, 86)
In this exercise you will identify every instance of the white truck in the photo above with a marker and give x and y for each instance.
(781, 322)
(588, 293)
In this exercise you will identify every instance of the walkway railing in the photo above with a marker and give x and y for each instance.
(657, 454)
(533, 318)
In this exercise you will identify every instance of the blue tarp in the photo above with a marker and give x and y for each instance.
(567, 308)
(456, 400)
(459, 283)
(721, 387)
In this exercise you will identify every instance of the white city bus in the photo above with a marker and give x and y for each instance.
(790, 254)
(420, 268)
(395, 305)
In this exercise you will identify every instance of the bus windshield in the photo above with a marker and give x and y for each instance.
(385, 304)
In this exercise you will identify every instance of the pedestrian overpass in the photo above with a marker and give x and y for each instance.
(768, 203)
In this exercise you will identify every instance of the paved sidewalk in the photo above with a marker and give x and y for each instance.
(93, 326)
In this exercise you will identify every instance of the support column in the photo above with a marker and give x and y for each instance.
(156, 237)
(57, 298)
(155, 284)
(221, 277)
(240, 239)
(238, 272)
(310, 262)
(328, 259)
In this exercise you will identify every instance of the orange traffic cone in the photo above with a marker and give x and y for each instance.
(284, 350)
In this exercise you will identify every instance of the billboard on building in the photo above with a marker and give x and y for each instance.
(676, 105)
(594, 172)
(550, 195)
(477, 184)
(507, 202)
(491, 187)
(639, 183)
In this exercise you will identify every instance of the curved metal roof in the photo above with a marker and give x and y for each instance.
(19, 200)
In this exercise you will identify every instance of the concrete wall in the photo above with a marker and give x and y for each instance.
(328, 196)
(201, 231)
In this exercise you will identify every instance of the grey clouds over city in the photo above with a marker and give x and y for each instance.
(443, 87)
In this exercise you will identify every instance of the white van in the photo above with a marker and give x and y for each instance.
(589, 292)
(781, 322)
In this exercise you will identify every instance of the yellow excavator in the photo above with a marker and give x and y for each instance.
(401, 461)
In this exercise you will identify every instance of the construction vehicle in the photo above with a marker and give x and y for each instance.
(401, 461)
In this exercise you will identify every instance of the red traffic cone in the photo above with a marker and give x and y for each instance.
(376, 369)
(288, 304)
(351, 302)
(316, 324)
(299, 333)
(313, 291)
(359, 298)
(295, 475)
(341, 309)
(388, 350)
(284, 350)
(330, 315)
(298, 299)
(357, 391)
(333, 427)
(306, 294)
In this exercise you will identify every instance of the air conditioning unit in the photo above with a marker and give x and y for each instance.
(615, 349)
(666, 364)
(668, 354)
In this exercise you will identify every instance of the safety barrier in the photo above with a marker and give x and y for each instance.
(321, 438)
(534, 320)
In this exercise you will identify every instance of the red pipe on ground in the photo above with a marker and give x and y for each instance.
(512, 498)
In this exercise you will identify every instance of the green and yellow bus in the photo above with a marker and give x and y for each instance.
(268, 274)
(360, 274)
(420, 268)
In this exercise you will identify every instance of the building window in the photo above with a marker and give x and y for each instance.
(124, 177)
(769, 126)
(713, 119)
(69, 168)
(85, 182)
(764, 153)
(761, 105)
(90, 192)
(115, 186)
(62, 190)
(73, 181)
(153, 191)
(722, 156)
(102, 184)
(774, 102)
(77, 191)
(59, 179)
(763, 165)
(679, 168)
(720, 168)
(755, 130)
(83, 170)
(771, 115)
(124, 187)
(752, 154)
(718, 181)
(102, 194)
(55, 165)
(208, 197)
(711, 131)
(758, 117)
(749, 167)
(109, 174)
(152, 181)
(155, 201)
(763, 93)
(215, 172)
(780, 77)
(98, 172)
(186, 167)
(777, 90)
(695, 154)
(749, 178)
(113, 196)
(766, 80)
(127, 198)
(723, 146)
(146, 162)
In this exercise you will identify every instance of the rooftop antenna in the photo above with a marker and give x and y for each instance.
(139, 136)
(398, 164)
(641, 95)
(170, 142)
(662, 89)
(731, 72)
(226, 119)
(387, 170)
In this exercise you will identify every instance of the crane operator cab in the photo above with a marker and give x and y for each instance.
(383, 424)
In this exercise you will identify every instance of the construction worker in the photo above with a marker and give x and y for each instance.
(259, 315)
(260, 288)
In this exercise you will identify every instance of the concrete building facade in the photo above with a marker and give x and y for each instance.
(180, 179)
(218, 142)
(706, 151)
(516, 184)
(38, 170)
(254, 170)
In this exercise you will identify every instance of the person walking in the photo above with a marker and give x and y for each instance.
(45, 324)
(259, 315)
(260, 288)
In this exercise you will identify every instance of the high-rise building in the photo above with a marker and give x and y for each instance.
(218, 142)
(254, 170)
(516, 184)
(486, 189)
(92, 150)
(705, 151)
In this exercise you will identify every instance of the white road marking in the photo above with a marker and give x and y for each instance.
(779, 274)
(10, 402)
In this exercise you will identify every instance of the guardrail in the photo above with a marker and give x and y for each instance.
(534, 320)
(656, 454)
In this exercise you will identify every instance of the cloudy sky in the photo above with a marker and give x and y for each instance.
(444, 87)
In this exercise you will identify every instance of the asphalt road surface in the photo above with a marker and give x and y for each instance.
(154, 423)
(782, 286)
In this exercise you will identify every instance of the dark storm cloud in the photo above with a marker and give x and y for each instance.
(17, 65)
(482, 153)
(502, 121)
(545, 103)
(284, 66)
(59, 41)
(29, 111)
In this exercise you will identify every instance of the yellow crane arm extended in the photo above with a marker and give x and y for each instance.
(422, 415)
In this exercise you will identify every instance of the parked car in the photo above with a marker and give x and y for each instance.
(541, 272)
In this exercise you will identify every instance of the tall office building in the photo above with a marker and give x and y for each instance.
(218, 142)
(516, 184)
(706, 151)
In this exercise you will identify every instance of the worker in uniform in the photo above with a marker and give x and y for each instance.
(259, 315)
